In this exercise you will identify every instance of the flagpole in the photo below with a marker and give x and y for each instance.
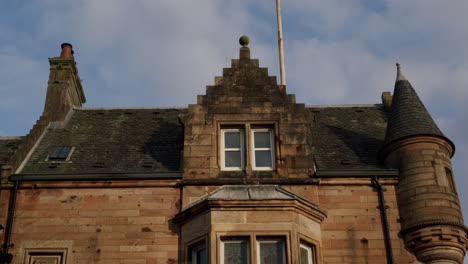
(280, 42)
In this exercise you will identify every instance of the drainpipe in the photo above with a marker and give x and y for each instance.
(5, 256)
(383, 213)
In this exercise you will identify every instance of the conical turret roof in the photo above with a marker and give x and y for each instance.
(408, 116)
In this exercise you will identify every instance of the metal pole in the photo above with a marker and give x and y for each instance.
(280, 42)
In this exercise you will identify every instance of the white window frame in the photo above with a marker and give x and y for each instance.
(241, 149)
(266, 240)
(196, 250)
(310, 252)
(240, 240)
(271, 149)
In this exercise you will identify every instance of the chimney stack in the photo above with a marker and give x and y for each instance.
(64, 90)
(67, 50)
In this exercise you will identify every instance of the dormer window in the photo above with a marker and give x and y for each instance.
(260, 145)
(233, 148)
(263, 154)
(60, 153)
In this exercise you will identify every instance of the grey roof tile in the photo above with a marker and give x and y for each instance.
(348, 137)
(408, 116)
(113, 141)
(251, 193)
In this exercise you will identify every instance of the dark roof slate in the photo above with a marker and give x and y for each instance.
(348, 137)
(408, 116)
(151, 140)
(113, 141)
(8, 145)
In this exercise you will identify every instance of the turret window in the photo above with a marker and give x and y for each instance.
(449, 175)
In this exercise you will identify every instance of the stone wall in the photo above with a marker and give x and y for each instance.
(352, 232)
(113, 225)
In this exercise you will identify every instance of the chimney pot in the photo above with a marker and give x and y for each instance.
(67, 50)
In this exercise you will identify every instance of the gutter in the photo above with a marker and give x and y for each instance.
(383, 213)
(5, 256)
(96, 176)
(356, 173)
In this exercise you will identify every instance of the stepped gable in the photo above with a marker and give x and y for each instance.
(348, 136)
(245, 84)
(112, 141)
(408, 116)
(246, 95)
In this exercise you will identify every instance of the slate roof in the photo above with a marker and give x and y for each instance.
(408, 116)
(348, 137)
(8, 146)
(113, 141)
(151, 140)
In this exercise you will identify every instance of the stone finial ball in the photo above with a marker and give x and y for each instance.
(244, 41)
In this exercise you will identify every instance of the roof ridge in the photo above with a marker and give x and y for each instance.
(127, 108)
(11, 137)
(344, 105)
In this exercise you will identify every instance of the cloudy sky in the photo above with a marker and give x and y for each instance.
(164, 53)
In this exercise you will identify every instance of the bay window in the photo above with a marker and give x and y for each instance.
(268, 250)
(306, 254)
(199, 255)
(271, 251)
(235, 251)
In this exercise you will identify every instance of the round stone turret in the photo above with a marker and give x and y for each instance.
(430, 215)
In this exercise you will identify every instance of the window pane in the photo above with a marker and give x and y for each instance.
(236, 252)
(262, 139)
(232, 159)
(59, 153)
(272, 252)
(263, 158)
(201, 256)
(305, 256)
(232, 139)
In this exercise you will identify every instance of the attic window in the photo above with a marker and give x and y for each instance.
(59, 153)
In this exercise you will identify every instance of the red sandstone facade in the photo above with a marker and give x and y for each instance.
(206, 210)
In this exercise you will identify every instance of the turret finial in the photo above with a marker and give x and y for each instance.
(400, 76)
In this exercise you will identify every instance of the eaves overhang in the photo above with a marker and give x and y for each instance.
(96, 176)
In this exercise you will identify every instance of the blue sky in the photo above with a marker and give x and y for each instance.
(164, 53)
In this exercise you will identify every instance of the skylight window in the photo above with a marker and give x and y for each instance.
(59, 153)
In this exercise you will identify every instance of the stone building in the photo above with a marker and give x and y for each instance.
(244, 175)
